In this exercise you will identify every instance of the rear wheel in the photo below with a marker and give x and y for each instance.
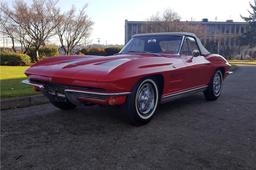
(214, 88)
(142, 103)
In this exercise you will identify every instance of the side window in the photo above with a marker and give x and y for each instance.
(188, 46)
(192, 44)
(169, 46)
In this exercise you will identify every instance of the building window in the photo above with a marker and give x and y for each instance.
(232, 29)
(222, 42)
(227, 42)
(223, 29)
(232, 42)
(218, 29)
(237, 42)
(237, 29)
(227, 29)
(242, 30)
(139, 28)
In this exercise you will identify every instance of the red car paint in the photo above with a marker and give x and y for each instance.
(120, 73)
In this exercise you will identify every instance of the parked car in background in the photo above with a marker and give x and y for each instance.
(150, 69)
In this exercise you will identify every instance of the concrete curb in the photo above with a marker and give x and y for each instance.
(25, 101)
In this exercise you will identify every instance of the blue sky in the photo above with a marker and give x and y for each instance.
(109, 15)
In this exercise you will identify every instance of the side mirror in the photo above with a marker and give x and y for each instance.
(195, 53)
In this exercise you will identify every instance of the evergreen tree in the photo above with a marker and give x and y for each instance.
(249, 37)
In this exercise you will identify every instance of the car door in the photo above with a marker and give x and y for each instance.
(174, 76)
(195, 67)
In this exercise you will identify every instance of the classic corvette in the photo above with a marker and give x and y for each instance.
(149, 70)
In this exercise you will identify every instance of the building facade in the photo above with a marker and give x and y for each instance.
(222, 37)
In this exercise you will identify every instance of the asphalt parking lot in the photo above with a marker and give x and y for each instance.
(188, 133)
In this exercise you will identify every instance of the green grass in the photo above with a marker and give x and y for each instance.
(10, 82)
(249, 62)
(12, 72)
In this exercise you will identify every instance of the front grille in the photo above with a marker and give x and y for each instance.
(88, 96)
(56, 92)
(61, 88)
(55, 88)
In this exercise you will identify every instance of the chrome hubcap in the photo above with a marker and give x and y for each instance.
(217, 84)
(146, 100)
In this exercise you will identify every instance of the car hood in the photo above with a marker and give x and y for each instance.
(97, 68)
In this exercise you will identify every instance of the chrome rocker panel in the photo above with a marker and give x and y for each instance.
(183, 93)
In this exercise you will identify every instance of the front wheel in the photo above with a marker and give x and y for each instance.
(214, 88)
(142, 103)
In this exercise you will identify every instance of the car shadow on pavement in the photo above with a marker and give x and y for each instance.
(181, 103)
(104, 115)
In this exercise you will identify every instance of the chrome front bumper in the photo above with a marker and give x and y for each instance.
(229, 72)
(40, 86)
(74, 95)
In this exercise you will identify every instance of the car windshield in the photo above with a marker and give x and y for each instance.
(153, 44)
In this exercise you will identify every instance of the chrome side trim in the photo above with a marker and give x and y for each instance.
(32, 84)
(97, 93)
(167, 98)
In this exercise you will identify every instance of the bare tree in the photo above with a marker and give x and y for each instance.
(7, 28)
(169, 15)
(169, 21)
(14, 32)
(197, 29)
(164, 22)
(73, 29)
(34, 23)
(23, 39)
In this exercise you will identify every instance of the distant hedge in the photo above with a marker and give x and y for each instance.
(45, 51)
(48, 51)
(112, 50)
(14, 59)
(101, 51)
(93, 51)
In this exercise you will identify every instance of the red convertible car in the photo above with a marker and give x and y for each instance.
(150, 69)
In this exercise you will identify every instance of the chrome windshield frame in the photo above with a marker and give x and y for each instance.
(178, 51)
(181, 44)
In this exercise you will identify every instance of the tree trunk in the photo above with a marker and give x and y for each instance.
(64, 48)
(25, 51)
(68, 52)
(13, 44)
(68, 49)
(37, 55)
